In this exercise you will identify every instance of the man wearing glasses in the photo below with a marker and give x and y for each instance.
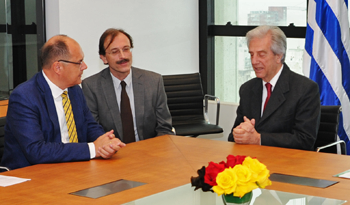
(48, 120)
(128, 100)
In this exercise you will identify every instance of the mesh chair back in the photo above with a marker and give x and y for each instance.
(2, 135)
(185, 98)
(328, 130)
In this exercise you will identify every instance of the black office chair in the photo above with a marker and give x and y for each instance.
(2, 140)
(185, 102)
(327, 133)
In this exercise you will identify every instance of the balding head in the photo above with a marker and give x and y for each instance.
(63, 61)
(56, 48)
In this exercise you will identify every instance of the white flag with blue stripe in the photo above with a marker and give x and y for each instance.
(327, 54)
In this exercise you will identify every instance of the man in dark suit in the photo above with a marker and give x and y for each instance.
(145, 89)
(37, 131)
(284, 113)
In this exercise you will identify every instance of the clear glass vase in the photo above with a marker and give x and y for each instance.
(229, 199)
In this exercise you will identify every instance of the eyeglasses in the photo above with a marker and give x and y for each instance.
(118, 51)
(76, 63)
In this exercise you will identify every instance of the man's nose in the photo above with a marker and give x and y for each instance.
(121, 54)
(84, 66)
(254, 60)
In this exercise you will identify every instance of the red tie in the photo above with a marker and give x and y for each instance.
(268, 87)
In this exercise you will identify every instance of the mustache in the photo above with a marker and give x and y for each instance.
(123, 61)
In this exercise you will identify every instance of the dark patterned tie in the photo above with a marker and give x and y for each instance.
(72, 132)
(126, 115)
(268, 87)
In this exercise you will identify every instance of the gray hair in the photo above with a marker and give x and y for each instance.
(278, 38)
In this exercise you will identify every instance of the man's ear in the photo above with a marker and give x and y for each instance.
(279, 58)
(104, 59)
(56, 67)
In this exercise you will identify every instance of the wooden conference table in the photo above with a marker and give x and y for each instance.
(3, 107)
(164, 163)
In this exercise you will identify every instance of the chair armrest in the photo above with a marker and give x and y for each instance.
(217, 100)
(342, 146)
(173, 129)
(5, 168)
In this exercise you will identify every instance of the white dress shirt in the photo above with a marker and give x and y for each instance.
(56, 94)
(130, 92)
(273, 82)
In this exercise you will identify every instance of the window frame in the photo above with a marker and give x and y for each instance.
(207, 32)
(18, 29)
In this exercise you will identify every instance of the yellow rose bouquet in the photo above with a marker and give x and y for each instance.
(238, 176)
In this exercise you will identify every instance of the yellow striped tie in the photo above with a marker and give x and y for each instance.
(72, 132)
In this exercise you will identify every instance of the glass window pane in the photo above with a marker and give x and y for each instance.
(233, 66)
(5, 51)
(257, 12)
(31, 39)
(18, 52)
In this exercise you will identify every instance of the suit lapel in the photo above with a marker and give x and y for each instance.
(111, 99)
(77, 110)
(139, 96)
(278, 95)
(50, 105)
(256, 100)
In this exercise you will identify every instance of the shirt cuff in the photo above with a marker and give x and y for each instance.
(260, 140)
(92, 150)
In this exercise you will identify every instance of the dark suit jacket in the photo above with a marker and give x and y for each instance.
(152, 114)
(32, 132)
(291, 117)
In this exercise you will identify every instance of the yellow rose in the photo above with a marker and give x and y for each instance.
(226, 182)
(244, 174)
(260, 172)
(263, 182)
(245, 182)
